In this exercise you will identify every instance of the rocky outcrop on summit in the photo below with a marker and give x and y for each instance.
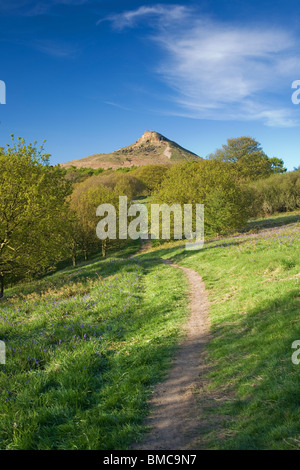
(151, 136)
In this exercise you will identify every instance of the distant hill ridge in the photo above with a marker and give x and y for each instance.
(150, 148)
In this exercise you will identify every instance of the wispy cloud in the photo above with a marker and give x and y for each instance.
(57, 49)
(160, 12)
(117, 105)
(220, 70)
(34, 7)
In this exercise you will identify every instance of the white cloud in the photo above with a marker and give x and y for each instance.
(220, 70)
(162, 13)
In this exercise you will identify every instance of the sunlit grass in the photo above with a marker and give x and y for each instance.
(84, 349)
(253, 282)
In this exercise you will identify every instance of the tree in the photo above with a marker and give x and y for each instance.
(32, 211)
(277, 165)
(85, 199)
(151, 176)
(212, 183)
(250, 160)
(279, 193)
(122, 183)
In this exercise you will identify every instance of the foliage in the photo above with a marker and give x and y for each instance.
(212, 183)
(78, 174)
(32, 210)
(278, 193)
(250, 160)
(152, 176)
(124, 184)
(85, 199)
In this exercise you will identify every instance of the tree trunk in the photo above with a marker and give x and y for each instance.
(104, 248)
(1, 286)
(74, 259)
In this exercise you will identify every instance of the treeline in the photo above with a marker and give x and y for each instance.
(278, 193)
(48, 214)
(105, 188)
(78, 174)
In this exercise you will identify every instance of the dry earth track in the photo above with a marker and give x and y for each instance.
(175, 417)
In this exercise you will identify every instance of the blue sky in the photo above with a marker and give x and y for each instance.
(92, 76)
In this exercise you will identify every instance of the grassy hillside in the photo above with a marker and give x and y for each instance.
(251, 389)
(84, 348)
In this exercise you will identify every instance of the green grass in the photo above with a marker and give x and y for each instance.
(86, 346)
(84, 349)
(252, 400)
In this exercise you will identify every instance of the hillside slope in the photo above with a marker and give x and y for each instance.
(249, 395)
(151, 148)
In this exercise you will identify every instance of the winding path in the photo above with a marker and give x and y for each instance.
(174, 417)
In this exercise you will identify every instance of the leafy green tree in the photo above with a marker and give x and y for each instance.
(212, 183)
(151, 176)
(250, 160)
(32, 211)
(124, 184)
(277, 165)
(85, 199)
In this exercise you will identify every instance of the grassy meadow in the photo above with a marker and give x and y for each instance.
(251, 395)
(86, 345)
(84, 348)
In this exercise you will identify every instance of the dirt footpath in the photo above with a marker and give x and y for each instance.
(175, 418)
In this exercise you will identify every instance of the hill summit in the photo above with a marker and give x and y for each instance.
(150, 148)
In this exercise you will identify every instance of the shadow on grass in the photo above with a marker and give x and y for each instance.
(179, 253)
(90, 268)
(97, 419)
(96, 401)
(269, 222)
